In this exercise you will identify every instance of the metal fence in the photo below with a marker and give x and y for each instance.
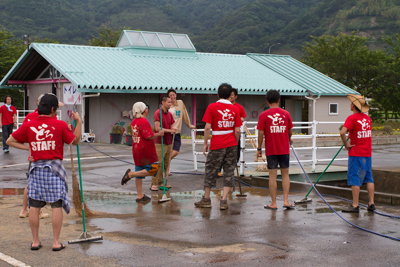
(253, 128)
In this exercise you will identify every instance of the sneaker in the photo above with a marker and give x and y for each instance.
(223, 204)
(371, 207)
(203, 203)
(352, 209)
(6, 150)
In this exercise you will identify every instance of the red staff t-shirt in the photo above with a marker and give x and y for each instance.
(223, 117)
(143, 149)
(241, 109)
(46, 137)
(359, 126)
(7, 116)
(167, 121)
(276, 123)
(31, 116)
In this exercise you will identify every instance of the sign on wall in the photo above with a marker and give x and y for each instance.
(71, 95)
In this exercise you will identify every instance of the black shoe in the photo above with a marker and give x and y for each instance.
(352, 209)
(371, 207)
(143, 199)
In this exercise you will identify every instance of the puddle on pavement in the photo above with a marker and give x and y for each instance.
(11, 191)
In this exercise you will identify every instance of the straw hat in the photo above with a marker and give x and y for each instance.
(359, 102)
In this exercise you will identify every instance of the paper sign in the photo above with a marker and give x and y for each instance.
(71, 95)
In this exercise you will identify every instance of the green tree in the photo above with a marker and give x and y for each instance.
(108, 37)
(346, 59)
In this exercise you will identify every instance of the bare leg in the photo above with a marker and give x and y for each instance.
(356, 194)
(371, 190)
(272, 186)
(139, 185)
(225, 192)
(207, 191)
(57, 222)
(25, 201)
(142, 173)
(285, 186)
(34, 223)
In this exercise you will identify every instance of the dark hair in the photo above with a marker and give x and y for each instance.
(171, 90)
(273, 96)
(5, 99)
(164, 98)
(235, 91)
(47, 102)
(224, 90)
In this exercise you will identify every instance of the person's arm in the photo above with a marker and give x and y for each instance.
(260, 141)
(14, 143)
(157, 127)
(237, 134)
(207, 130)
(343, 137)
(159, 134)
(242, 119)
(77, 132)
(1, 117)
(290, 136)
(186, 119)
(15, 119)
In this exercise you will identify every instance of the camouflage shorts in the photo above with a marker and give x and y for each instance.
(225, 157)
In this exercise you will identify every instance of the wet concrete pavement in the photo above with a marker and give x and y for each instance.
(175, 233)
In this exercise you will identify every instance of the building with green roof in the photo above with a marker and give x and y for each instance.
(144, 65)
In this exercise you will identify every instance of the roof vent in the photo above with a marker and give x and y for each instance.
(155, 40)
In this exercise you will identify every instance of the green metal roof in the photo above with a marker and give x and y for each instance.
(131, 70)
(303, 75)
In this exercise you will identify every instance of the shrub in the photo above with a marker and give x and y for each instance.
(387, 129)
(129, 130)
(117, 129)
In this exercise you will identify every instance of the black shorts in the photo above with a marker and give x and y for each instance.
(40, 204)
(177, 142)
(273, 161)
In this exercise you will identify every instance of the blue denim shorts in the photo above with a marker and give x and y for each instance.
(150, 168)
(359, 171)
(177, 142)
(273, 160)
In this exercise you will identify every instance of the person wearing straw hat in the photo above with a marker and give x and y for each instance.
(47, 176)
(143, 150)
(360, 149)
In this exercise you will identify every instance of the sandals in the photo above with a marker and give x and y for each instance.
(143, 199)
(59, 248)
(24, 215)
(36, 248)
(125, 178)
(154, 188)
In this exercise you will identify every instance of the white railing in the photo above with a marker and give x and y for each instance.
(244, 137)
(21, 114)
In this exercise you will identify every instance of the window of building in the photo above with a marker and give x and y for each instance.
(333, 108)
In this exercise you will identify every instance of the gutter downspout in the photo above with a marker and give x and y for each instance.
(314, 133)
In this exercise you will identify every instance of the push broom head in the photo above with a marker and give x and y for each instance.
(164, 199)
(303, 200)
(85, 237)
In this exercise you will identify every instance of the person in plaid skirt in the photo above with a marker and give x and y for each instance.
(47, 176)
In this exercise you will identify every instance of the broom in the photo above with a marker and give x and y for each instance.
(164, 197)
(76, 192)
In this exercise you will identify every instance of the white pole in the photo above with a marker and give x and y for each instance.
(242, 147)
(194, 149)
(314, 145)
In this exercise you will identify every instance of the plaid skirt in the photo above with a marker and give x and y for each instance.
(47, 182)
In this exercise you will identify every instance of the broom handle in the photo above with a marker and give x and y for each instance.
(162, 150)
(72, 160)
(172, 147)
(340, 149)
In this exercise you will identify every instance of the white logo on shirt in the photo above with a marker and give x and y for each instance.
(42, 132)
(135, 135)
(276, 120)
(228, 119)
(365, 133)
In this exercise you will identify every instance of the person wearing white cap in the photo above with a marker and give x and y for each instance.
(143, 150)
(360, 149)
